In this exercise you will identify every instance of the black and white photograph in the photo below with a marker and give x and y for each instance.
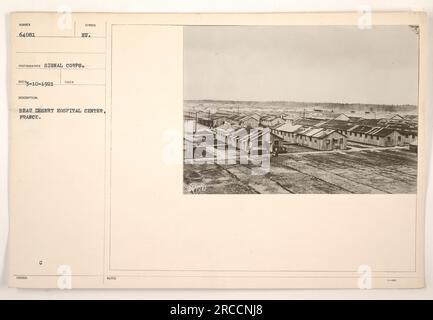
(259, 153)
(300, 109)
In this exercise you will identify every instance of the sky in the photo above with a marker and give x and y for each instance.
(301, 63)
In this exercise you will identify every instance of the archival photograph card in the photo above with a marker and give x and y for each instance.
(277, 150)
(310, 109)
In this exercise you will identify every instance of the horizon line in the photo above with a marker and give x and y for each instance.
(293, 101)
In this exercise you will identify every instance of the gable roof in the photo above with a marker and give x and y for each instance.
(308, 121)
(375, 131)
(361, 129)
(288, 127)
(227, 126)
(396, 117)
(382, 132)
(269, 118)
(370, 122)
(411, 117)
(342, 116)
(255, 116)
(319, 133)
(338, 124)
(324, 133)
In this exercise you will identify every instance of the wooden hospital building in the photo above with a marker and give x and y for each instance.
(317, 138)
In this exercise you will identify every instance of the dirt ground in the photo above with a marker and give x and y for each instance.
(365, 171)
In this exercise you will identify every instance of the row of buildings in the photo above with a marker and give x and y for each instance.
(214, 120)
(327, 131)
(329, 134)
(312, 137)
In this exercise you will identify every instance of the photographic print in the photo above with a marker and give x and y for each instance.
(300, 109)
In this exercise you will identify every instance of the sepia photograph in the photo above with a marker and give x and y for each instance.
(300, 109)
(278, 153)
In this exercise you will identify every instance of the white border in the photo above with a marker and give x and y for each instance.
(7, 6)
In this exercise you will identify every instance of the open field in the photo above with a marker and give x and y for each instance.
(364, 171)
